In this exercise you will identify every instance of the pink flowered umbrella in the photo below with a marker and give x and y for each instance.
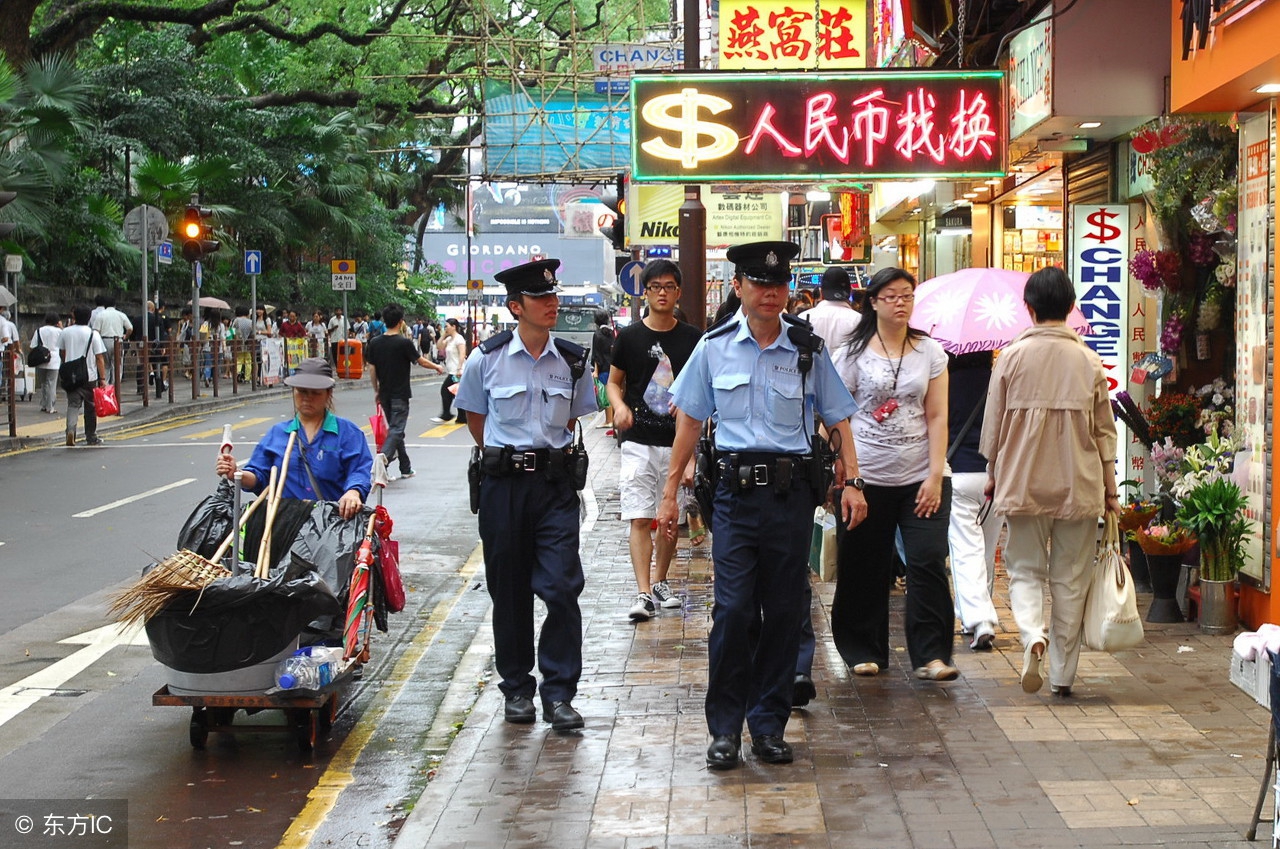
(977, 309)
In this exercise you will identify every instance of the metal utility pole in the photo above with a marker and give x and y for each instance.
(693, 215)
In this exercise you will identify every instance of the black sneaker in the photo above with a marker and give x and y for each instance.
(643, 609)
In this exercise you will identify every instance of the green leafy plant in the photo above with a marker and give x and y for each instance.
(1214, 511)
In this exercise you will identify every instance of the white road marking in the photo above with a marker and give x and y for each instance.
(21, 695)
(85, 514)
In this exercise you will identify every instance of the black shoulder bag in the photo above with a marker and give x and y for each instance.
(39, 354)
(74, 374)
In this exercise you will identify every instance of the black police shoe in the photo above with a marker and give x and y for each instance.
(802, 691)
(520, 710)
(771, 749)
(723, 751)
(561, 715)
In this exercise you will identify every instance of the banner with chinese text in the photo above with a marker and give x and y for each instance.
(763, 127)
(761, 35)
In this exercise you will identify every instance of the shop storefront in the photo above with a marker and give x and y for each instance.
(1228, 61)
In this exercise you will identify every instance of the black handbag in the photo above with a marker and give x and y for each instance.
(74, 374)
(39, 354)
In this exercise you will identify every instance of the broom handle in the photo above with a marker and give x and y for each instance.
(263, 566)
(269, 495)
(244, 519)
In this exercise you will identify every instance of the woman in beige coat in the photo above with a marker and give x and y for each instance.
(1050, 439)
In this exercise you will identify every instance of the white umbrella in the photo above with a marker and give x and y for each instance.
(6, 297)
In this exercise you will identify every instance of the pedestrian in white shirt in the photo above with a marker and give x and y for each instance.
(339, 329)
(834, 318)
(48, 335)
(113, 326)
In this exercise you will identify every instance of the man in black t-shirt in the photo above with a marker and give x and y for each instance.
(390, 357)
(647, 356)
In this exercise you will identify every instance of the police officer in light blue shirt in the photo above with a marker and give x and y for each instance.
(762, 376)
(523, 391)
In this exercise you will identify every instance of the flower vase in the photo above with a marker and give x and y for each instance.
(1138, 568)
(1165, 570)
(1218, 599)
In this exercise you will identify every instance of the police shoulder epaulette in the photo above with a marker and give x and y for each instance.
(722, 326)
(569, 350)
(493, 343)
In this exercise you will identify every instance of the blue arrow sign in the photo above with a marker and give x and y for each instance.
(199, 274)
(164, 252)
(629, 278)
(253, 262)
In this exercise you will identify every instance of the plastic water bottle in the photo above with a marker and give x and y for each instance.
(308, 668)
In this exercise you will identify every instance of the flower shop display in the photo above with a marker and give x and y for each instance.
(1163, 543)
(1214, 510)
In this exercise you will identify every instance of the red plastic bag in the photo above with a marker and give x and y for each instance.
(105, 402)
(389, 564)
(379, 424)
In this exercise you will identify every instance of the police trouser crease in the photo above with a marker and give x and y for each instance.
(529, 529)
(760, 548)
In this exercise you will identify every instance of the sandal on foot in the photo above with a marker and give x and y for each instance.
(867, 669)
(937, 670)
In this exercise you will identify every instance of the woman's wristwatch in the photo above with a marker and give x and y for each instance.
(856, 482)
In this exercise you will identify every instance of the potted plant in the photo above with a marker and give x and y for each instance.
(1214, 510)
(1163, 542)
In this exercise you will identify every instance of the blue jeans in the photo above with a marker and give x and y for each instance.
(396, 411)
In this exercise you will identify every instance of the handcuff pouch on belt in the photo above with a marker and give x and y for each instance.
(822, 470)
(474, 474)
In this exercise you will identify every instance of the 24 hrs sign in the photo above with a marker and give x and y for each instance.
(760, 127)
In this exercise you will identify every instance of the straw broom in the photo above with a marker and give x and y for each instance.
(178, 573)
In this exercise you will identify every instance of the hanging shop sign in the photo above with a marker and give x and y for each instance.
(766, 127)
(1100, 268)
(653, 216)
(614, 63)
(1031, 75)
(757, 35)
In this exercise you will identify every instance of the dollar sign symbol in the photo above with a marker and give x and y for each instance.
(679, 112)
(1105, 232)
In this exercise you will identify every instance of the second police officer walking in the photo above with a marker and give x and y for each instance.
(524, 391)
(762, 377)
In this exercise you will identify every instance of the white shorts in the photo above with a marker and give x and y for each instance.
(642, 474)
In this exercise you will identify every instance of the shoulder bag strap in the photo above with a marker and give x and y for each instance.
(315, 484)
(964, 430)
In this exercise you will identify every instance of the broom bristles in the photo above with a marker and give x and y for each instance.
(176, 574)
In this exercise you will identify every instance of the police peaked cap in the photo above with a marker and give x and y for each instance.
(768, 263)
(532, 278)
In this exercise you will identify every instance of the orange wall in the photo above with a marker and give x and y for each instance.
(1222, 77)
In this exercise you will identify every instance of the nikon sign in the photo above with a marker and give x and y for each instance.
(854, 125)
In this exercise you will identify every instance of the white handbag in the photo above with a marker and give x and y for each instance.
(1111, 620)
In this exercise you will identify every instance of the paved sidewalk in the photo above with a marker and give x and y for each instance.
(1156, 747)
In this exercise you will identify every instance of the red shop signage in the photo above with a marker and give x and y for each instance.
(763, 127)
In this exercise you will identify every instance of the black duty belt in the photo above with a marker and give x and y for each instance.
(747, 470)
(511, 461)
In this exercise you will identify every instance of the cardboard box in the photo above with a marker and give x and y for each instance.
(1244, 674)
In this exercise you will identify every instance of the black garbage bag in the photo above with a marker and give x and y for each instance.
(291, 515)
(327, 544)
(209, 524)
(239, 620)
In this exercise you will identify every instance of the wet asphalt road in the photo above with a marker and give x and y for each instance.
(76, 718)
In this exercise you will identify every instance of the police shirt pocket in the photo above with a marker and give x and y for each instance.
(511, 403)
(555, 411)
(786, 403)
(733, 395)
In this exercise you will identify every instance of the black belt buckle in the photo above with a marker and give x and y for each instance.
(526, 461)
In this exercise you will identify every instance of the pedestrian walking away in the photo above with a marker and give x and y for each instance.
(76, 341)
(1050, 437)
(47, 336)
(648, 355)
(763, 378)
(524, 393)
(898, 376)
(390, 358)
(114, 327)
(455, 355)
(972, 542)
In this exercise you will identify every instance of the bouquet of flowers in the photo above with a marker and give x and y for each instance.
(1175, 416)
(1157, 270)
(1167, 460)
(1159, 538)
(1217, 409)
(1128, 412)
(1137, 512)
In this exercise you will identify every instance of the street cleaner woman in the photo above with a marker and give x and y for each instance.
(331, 459)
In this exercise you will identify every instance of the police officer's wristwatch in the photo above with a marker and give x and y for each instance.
(857, 483)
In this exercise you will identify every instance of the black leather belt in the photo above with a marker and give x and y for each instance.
(747, 470)
(510, 461)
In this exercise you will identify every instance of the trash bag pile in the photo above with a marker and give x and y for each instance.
(241, 620)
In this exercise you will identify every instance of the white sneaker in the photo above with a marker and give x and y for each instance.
(643, 609)
(663, 596)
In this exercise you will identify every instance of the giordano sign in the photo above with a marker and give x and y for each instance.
(765, 127)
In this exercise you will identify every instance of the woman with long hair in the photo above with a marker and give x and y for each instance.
(898, 376)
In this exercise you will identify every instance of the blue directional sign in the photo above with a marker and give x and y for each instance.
(629, 278)
(253, 262)
(199, 269)
(164, 252)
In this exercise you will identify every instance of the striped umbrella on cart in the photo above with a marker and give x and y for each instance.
(358, 591)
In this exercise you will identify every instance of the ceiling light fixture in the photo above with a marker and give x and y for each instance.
(1089, 125)
(1268, 88)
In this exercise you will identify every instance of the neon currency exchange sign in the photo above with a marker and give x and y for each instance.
(859, 124)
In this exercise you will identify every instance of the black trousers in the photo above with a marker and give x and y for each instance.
(446, 400)
(860, 611)
(529, 528)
